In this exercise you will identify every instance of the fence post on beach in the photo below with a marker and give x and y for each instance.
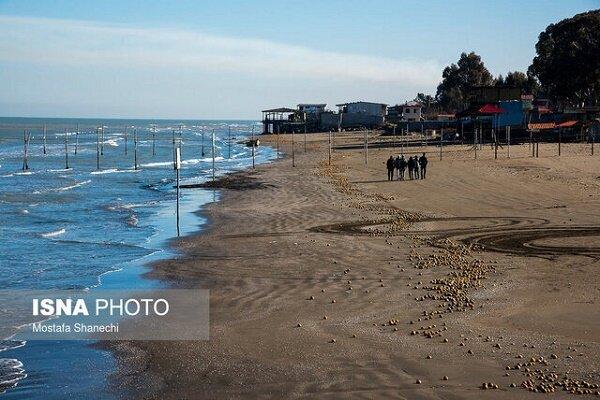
(66, 150)
(508, 139)
(253, 143)
(44, 138)
(135, 160)
(441, 142)
(329, 147)
(305, 132)
(559, 140)
(293, 150)
(366, 147)
(277, 135)
(97, 148)
(537, 148)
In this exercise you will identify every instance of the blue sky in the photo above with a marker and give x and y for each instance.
(230, 59)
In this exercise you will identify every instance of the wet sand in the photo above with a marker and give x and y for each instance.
(330, 282)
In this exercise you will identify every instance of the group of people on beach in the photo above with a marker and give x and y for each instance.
(417, 167)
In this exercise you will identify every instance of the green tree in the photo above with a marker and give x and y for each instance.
(527, 83)
(457, 78)
(567, 63)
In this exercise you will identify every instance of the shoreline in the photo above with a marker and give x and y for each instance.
(264, 263)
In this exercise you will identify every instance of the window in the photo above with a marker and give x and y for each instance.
(407, 110)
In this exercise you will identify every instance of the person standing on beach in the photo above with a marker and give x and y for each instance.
(390, 168)
(411, 168)
(397, 166)
(416, 170)
(423, 162)
(401, 168)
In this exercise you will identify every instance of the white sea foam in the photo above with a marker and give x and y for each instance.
(113, 171)
(112, 143)
(53, 233)
(76, 185)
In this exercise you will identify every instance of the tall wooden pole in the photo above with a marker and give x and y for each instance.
(202, 139)
(97, 148)
(44, 138)
(213, 156)
(293, 150)
(66, 150)
(229, 141)
(135, 142)
(305, 132)
(25, 150)
(277, 141)
(366, 147)
(441, 142)
(253, 149)
(174, 147)
(102, 142)
(153, 141)
(559, 140)
(125, 136)
(76, 139)
(508, 139)
(329, 147)
(177, 166)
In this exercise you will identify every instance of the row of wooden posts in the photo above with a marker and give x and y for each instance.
(100, 135)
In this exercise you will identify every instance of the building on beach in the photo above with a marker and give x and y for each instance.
(361, 114)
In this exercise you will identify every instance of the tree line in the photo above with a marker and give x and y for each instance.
(566, 69)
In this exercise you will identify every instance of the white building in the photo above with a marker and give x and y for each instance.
(411, 111)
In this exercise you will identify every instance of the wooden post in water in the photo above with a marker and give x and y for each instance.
(76, 139)
(135, 160)
(174, 148)
(229, 141)
(44, 138)
(177, 166)
(97, 148)
(26, 137)
(213, 156)
(102, 142)
(153, 140)
(125, 138)
(202, 135)
(66, 150)
(253, 143)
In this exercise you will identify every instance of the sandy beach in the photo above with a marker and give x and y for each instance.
(331, 282)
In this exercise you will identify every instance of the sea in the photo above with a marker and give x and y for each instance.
(91, 204)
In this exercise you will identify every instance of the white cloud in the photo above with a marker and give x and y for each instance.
(68, 42)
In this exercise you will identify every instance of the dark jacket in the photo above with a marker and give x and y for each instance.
(423, 161)
(411, 164)
(390, 163)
